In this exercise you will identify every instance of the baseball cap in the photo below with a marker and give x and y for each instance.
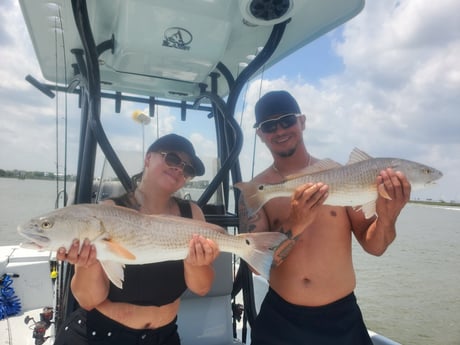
(174, 142)
(275, 103)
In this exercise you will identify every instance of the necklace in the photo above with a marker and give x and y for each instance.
(279, 172)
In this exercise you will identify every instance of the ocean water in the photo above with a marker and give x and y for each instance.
(19, 201)
(411, 294)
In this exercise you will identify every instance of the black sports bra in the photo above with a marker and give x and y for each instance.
(151, 284)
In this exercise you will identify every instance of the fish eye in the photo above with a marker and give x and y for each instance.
(46, 224)
(261, 187)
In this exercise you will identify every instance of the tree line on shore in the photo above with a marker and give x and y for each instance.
(200, 184)
(37, 175)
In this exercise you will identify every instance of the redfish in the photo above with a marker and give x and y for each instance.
(349, 185)
(124, 236)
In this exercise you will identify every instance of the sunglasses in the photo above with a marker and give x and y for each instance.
(173, 160)
(285, 121)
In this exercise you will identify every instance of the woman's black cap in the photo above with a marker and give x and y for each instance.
(174, 142)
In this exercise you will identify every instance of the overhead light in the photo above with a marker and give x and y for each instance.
(266, 12)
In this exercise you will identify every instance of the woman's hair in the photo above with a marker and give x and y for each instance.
(136, 179)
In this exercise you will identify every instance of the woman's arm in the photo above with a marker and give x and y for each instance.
(89, 284)
(198, 270)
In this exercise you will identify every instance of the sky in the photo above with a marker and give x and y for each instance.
(387, 82)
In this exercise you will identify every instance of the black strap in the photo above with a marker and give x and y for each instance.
(128, 200)
(184, 207)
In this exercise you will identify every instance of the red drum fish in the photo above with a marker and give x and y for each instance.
(350, 185)
(124, 236)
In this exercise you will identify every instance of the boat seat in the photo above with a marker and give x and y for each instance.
(207, 320)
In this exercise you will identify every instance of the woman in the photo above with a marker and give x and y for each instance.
(145, 310)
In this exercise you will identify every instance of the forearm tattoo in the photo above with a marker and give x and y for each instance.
(285, 247)
(249, 224)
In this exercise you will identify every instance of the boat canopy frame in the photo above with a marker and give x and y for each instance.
(87, 84)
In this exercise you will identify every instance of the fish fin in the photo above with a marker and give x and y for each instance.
(368, 209)
(114, 271)
(187, 222)
(382, 191)
(253, 196)
(358, 156)
(322, 165)
(262, 246)
(119, 250)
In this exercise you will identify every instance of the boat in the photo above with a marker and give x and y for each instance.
(192, 56)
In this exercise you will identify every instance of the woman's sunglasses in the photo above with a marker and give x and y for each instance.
(285, 121)
(173, 160)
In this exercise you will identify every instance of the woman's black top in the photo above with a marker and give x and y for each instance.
(151, 284)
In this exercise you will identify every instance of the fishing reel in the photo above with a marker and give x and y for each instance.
(40, 327)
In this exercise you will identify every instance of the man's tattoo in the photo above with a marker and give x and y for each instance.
(289, 234)
(285, 247)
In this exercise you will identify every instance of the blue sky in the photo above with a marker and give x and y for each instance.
(388, 82)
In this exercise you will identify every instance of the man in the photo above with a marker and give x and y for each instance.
(310, 299)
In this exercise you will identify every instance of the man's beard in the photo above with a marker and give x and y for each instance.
(287, 153)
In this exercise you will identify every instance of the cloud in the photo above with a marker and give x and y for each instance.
(393, 92)
(397, 94)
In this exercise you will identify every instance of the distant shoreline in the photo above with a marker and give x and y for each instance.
(435, 203)
(33, 175)
(38, 175)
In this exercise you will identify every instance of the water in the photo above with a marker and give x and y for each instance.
(411, 294)
(21, 200)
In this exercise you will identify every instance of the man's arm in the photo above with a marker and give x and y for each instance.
(376, 234)
(304, 206)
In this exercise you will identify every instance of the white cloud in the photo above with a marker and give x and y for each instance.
(397, 95)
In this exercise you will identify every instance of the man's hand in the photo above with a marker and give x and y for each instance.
(306, 201)
(398, 189)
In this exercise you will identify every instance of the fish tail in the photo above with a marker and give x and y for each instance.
(253, 196)
(261, 247)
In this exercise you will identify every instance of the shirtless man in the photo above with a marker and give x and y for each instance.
(311, 299)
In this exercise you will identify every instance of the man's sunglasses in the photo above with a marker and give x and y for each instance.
(285, 121)
(173, 160)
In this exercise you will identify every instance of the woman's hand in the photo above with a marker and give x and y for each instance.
(81, 257)
(202, 251)
(89, 284)
(198, 271)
